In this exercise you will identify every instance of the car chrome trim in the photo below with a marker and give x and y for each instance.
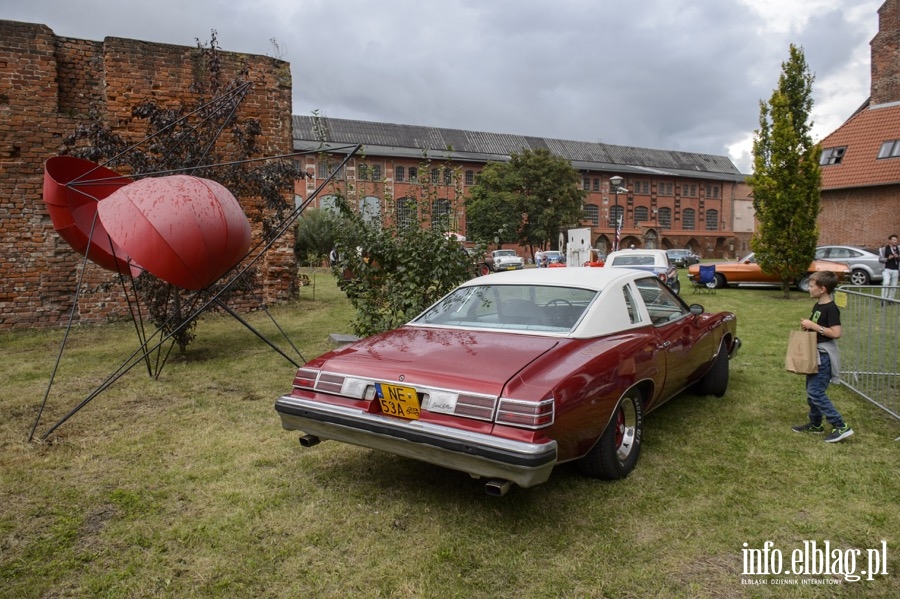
(478, 454)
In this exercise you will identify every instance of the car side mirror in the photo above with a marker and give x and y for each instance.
(696, 309)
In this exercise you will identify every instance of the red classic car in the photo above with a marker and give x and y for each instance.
(513, 373)
(747, 270)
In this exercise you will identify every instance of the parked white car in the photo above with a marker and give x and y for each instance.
(655, 261)
(506, 260)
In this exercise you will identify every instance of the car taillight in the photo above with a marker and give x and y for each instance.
(336, 384)
(662, 277)
(306, 378)
(525, 414)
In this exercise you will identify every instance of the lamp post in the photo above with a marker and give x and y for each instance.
(616, 181)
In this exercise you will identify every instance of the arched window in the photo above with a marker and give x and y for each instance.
(592, 214)
(641, 214)
(413, 174)
(688, 219)
(406, 212)
(665, 218)
(615, 213)
(370, 209)
(399, 174)
(329, 203)
(712, 220)
(440, 215)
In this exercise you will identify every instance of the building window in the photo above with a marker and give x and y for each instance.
(712, 220)
(326, 167)
(592, 214)
(595, 186)
(362, 172)
(586, 183)
(889, 149)
(329, 204)
(664, 189)
(435, 176)
(835, 155)
(470, 177)
(399, 174)
(687, 219)
(665, 218)
(448, 175)
(406, 212)
(370, 209)
(413, 174)
(712, 191)
(376, 172)
(440, 215)
(641, 215)
(642, 187)
(615, 213)
(689, 190)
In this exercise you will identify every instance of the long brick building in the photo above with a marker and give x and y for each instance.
(671, 199)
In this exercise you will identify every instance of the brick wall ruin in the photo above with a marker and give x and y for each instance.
(48, 84)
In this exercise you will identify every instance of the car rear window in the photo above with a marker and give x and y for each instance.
(531, 308)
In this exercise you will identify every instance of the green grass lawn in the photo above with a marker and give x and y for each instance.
(187, 486)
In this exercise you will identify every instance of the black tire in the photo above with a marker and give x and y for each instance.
(721, 283)
(616, 453)
(803, 284)
(715, 381)
(859, 277)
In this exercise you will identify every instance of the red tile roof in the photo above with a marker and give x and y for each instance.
(862, 135)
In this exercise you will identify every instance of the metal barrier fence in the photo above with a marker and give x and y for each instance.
(870, 345)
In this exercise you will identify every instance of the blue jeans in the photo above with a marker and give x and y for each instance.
(819, 404)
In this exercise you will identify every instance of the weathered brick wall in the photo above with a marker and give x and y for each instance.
(47, 86)
(860, 216)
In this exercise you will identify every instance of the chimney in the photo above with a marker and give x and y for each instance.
(886, 55)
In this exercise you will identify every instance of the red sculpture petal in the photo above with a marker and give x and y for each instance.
(185, 230)
(72, 190)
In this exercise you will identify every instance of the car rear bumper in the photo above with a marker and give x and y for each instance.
(477, 454)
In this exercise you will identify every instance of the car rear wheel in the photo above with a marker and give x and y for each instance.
(859, 277)
(721, 283)
(803, 284)
(715, 382)
(484, 269)
(617, 451)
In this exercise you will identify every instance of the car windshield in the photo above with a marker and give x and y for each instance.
(543, 308)
(634, 261)
(505, 253)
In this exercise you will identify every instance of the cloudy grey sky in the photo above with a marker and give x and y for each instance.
(668, 74)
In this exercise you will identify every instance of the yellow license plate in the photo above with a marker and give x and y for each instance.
(395, 400)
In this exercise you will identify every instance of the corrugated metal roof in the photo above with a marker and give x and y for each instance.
(386, 139)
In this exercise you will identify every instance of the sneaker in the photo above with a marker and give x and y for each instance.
(839, 433)
(809, 427)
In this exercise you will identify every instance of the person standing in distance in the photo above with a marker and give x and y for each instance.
(889, 255)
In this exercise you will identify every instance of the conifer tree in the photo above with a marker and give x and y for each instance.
(786, 177)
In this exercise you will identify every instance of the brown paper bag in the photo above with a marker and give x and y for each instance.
(802, 355)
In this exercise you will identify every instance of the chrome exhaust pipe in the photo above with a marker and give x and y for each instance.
(496, 487)
(309, 440)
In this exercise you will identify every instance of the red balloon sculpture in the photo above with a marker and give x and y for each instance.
(185, 230)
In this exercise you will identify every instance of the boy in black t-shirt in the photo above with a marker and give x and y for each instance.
(825, 320)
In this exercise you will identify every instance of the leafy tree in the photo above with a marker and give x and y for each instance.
(527, 200)
(786, 176)
(185, 138)
(315, 235)
(395, 264)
